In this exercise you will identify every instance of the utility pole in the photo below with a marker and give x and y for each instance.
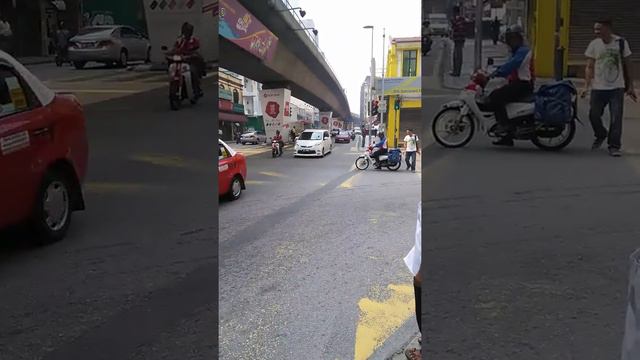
(383, 102)
(371, 79)
(559, 53)
(477, 64)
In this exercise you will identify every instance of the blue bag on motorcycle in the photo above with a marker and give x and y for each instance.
(395, 155)
(554, 102)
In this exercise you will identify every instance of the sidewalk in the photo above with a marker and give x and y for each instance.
(35, 60)
(413, 344)
(498, 52)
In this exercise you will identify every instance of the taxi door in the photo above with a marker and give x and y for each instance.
(225, 170)
(25, 132)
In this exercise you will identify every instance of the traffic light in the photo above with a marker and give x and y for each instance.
(374, 108)
(396, 104)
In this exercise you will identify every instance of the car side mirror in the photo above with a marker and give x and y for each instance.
(490, 61)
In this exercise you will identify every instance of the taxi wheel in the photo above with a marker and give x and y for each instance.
(236, 188)
(52, 213)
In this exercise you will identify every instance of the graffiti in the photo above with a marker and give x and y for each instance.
(243, 23)
(260, 45)
(98, 18)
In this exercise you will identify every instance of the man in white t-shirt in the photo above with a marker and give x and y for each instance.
(413, 260)
(607, 57)
(411, 148)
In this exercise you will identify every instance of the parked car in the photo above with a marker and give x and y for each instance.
(253, 137)
(343, 137)
(439, 25)
(313, 142)
(109, 44)
(232, 172)
(43, 154)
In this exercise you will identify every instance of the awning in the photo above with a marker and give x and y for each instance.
(225, 116)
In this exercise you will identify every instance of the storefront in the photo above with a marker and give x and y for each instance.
(231, 119)
(33, 24)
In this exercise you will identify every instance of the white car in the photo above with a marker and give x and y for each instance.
(313, 142)
(253, 137)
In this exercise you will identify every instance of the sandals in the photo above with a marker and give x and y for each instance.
(413, 354)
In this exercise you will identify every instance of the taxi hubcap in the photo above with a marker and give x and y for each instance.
(236, 187)
(56, 205)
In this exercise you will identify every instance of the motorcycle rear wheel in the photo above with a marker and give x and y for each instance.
(539, 142)
(394, 167)
(362, 163)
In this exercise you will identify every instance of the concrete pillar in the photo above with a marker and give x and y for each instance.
(276, 111)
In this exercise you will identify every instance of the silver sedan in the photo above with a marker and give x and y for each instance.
(108, 44)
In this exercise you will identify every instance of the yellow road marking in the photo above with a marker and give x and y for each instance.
(101, 187)
(379, 319)
(254, 182)
(171, 161)
(272, 173)
(348, 184)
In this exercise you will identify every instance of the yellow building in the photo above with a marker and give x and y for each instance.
(402, 83)
(578, 17)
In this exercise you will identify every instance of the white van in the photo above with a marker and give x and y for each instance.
(313, 142)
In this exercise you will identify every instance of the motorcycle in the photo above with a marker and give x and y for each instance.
(456, 123)
(276, 150)
(180, 81)
(392, 160)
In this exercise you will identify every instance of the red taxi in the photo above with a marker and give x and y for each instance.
(232, 171)
(43, 154)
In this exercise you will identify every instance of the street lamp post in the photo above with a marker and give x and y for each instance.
(371, 78)
(478, 48)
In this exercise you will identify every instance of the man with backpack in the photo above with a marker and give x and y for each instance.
(411, 148)
(608, 78)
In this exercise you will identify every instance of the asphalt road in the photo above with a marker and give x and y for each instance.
(311, 259)
(136, 276)
(527, 251)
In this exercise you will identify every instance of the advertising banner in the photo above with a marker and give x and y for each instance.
(401, 85)
(243, 29)
(276, 111)
(165, 19)
(337, 124)
(325, 120)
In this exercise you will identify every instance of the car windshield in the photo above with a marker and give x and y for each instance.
(439, 22)
(311, 135)
(95, 29)
(344, 133)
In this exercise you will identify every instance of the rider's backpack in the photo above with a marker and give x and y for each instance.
(554, 102)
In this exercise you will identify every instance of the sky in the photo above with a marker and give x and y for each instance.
(347, 46)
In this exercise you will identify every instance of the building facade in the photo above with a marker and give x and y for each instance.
(34, 23)
(577, 31)
(231, 113)
(403, 61)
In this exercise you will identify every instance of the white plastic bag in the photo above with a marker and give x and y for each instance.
(631, 340)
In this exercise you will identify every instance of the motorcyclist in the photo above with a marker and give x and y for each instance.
(520, 76)
(278, 138)
(381, 147)
(189, 45)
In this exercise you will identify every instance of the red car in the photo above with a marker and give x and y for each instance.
(343, 137)
(43, 154)
(232, 171)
